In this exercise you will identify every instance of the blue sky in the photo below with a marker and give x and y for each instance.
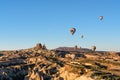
(23, 23)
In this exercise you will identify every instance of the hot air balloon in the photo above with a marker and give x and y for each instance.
(93, 48)
(101, 17)
(82, 36)
(72, 31)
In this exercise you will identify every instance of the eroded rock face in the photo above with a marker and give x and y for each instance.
(118, 53)
(38, 46)
(38, 63)
(66, 75)
(84, 78)
(35, 75)
(52, 72)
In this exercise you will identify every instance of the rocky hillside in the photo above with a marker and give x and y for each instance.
(39, 63)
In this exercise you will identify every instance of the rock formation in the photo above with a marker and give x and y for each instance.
(39, 63)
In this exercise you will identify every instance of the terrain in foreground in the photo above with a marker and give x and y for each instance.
(38, 63)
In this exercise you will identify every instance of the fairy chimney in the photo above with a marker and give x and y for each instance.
(38, 46)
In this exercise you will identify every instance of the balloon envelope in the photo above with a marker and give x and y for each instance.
(72, 31)
(101, 17)
(82, 36)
